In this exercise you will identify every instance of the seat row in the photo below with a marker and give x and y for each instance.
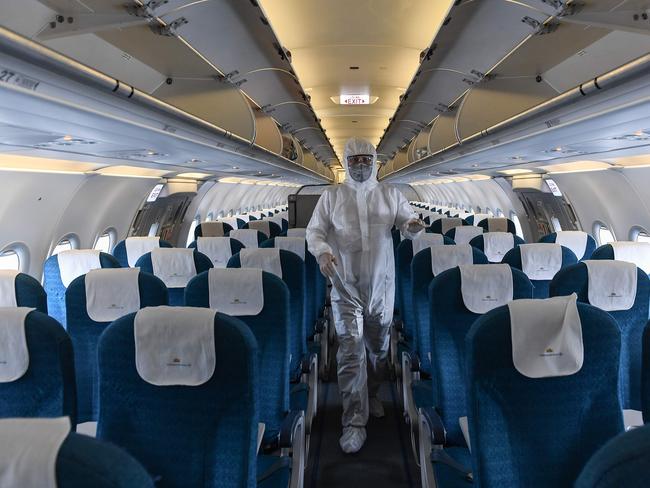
(84, 388)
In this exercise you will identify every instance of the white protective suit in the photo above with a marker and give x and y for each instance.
(353, 222)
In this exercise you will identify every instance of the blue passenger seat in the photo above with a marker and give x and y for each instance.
(61, 269)
(94, 301)
(128, 255)
(581, 243)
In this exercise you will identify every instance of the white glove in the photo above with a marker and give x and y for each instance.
(326, 262)
(415, 225)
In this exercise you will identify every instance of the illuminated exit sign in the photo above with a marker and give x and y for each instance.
(354, 100)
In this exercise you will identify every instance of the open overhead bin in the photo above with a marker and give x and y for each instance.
(473, 40)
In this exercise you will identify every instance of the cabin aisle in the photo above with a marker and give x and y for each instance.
(384, 461)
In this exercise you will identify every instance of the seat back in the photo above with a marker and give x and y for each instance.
(54, 285)
(421, 277)
(267, 227)
(513, 258)
(175, 294)
(632, 252)
(539, 432)
(314, 281)
(271, 329)
(623, 461)
(631, 322)
(86, 461)
(445, 224)
(212, 229)
(479, 243)
(250, 238)
(570, 239)
(497, 224)
(465, 235)
(47, 388)
(403, 285)
(450, 320)
(85, 333)
(218, 260)
(293, 275)
(202, 435)
(120, 252)
(21, 290)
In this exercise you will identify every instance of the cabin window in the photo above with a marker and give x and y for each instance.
(190, 235)
(639, 234)
(603, 234)
(489, 212)
(518, 230)
(9, 259)
(106, 241)
(500, 213)
(210, 217)
(555, 222)
(65, 244)
(153, 230)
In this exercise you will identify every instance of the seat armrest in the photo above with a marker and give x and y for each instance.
(293, 423)
(435, 425)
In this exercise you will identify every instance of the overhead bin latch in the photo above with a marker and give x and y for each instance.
(168, 30)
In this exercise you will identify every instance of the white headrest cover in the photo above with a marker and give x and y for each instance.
(546, 336)
(267, 259)
(485, 286)
(449, 223)
(174, 345)
(77, 262)
(112, 293)
(14, 356)
(248, 237)
(633, 252)
(498, 224)
(136, 247)
(541, 261)
(245, 218)
(218, 249)
(8, 288)
(576, 240)
(212, 229)
(29, 450)
(231, 221)
(295, 245)
(174, 266)
(611, 284)
(236, 291)
(426, 240)
(465, 233)
(262, 225)
(497, 244)
(297, 232)
(447, 257)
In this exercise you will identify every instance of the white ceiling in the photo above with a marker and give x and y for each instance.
(383, 38)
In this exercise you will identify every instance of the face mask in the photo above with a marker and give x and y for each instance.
(360, 172)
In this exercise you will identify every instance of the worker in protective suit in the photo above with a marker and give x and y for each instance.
(350, 234)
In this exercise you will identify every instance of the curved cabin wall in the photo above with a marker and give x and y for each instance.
(38, 209)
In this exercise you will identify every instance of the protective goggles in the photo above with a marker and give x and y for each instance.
(360, 159)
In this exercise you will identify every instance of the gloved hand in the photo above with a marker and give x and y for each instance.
(415, 225)
(326, 262)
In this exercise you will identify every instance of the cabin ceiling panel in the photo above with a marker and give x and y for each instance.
(380, 39)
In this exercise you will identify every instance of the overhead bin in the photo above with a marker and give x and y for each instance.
(73, 108)
(496, 100)
(443, 132)
(608, 113)
(254, 60)
(225, 106)
(474, 39)
(267, 133)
